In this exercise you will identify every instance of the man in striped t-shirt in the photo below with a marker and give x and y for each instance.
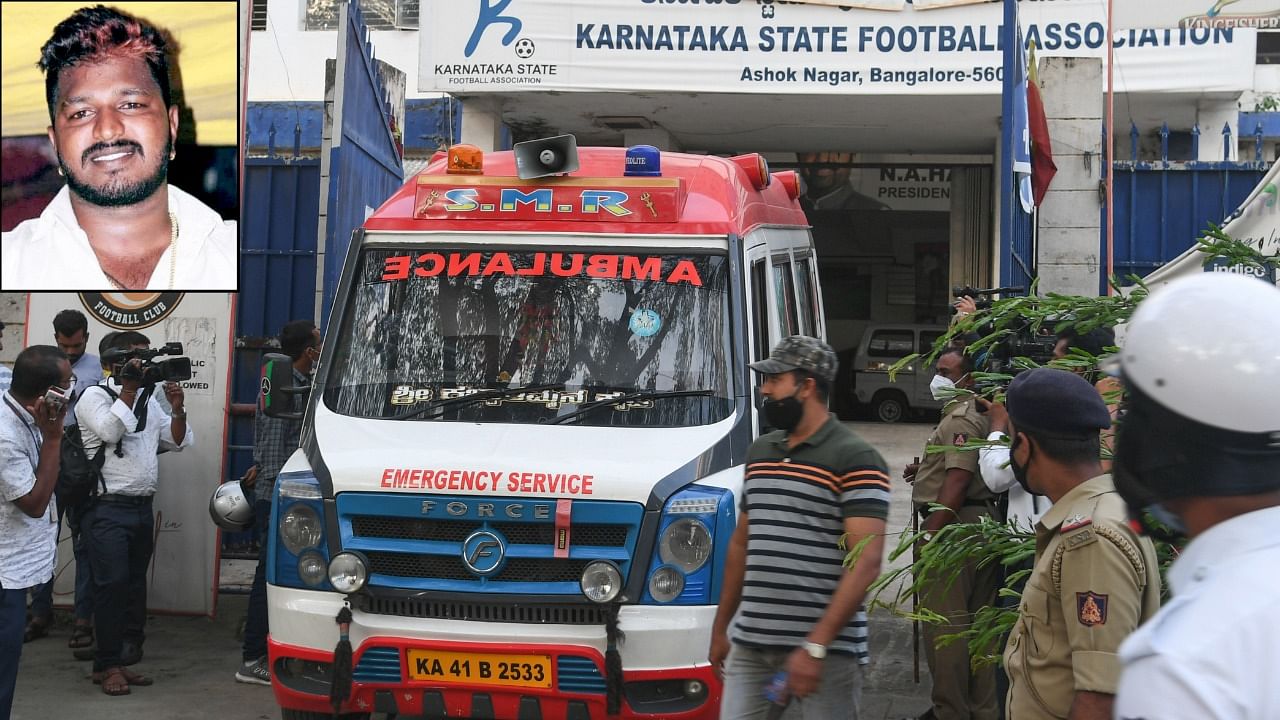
(798, 609)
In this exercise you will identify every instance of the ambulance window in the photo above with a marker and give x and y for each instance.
(808, 301)
(760, 311)
(542, 331)
(784, 296)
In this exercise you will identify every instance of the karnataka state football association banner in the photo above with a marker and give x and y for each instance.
(472, 47)
(183, 574)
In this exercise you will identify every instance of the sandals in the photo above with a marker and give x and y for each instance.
(81, 636)
(116, 681)
(36, 628)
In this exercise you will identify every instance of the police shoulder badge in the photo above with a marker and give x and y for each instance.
(959, 439)
(1091, 608)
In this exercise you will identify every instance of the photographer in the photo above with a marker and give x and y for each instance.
(71, 333)
(30, 445)
(119, 524)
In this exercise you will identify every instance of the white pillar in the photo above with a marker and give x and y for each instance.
(1211, 116)
(482, 124)
(1067, 249)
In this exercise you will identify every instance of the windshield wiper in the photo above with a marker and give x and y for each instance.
(476, 397)
(637, 395)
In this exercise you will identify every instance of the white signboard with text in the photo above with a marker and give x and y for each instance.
(183, 573)
(480, 46)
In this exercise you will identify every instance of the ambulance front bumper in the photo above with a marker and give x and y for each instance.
(664, 660)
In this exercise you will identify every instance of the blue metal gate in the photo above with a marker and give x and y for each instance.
(366, 162)
(1162, 207)
(277, 278)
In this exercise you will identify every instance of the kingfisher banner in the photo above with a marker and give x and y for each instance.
(474, 47)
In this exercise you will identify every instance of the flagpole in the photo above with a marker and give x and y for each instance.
(1111, 146)
(1008, 186)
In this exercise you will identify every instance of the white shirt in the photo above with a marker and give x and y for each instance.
(6, 378)
(1025, 509)
(1212, 652)
(28, 546)
(52, 252)
(103, 419)
(88, 372)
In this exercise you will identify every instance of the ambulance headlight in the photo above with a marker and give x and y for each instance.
(686, 543)
(311, 568)
(347, 572)
(300, 528)
(601, 581)
(666, 584)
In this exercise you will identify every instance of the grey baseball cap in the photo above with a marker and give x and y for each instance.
(800, 352)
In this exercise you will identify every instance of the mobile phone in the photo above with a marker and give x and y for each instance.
(56, 399)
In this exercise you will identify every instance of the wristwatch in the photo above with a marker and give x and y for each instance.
(815, 651)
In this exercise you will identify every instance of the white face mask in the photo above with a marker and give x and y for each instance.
(942, 388)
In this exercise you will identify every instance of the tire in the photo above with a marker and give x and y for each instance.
(891, 408)
(287, 714)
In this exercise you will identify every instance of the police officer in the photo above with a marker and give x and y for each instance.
(951, 478)
(1095, 580)
(1199, 448)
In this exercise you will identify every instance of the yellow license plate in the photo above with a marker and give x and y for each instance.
(480, 669)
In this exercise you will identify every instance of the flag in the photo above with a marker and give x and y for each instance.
(1042, 166)
(1022, 131)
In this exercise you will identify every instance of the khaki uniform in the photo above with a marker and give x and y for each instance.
(961, 422)
(959, 693)
(1095, 581)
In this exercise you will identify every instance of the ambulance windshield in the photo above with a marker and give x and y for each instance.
(526, 336)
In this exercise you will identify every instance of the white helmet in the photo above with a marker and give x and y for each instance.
(230, 507)
(1201, 366)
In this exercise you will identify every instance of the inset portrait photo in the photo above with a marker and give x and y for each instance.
(120, 131)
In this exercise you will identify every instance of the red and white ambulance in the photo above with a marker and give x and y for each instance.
(523, 455)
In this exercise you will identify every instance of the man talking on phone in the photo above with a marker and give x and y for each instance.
(30, 445)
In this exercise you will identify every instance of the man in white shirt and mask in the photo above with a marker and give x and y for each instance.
(117, 224)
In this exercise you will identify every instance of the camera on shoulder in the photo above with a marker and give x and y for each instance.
(151, 371)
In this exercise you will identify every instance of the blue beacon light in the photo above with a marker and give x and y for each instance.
(643, 161)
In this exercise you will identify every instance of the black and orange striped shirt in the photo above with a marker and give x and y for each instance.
(796, 500)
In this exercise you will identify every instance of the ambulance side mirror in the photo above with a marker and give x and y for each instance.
(277, 389)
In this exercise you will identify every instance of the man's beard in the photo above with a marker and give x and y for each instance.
(118, 193)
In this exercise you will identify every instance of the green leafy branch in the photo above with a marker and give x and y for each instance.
(939, 559)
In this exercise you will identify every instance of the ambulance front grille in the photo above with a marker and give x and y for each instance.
(450, 567)
(402, 528)
(585, 614)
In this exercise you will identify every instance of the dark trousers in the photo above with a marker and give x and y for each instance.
(42, 600)
(13, 620)
(255, 627)
(120, 538)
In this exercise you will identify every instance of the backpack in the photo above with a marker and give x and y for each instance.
(79, 476)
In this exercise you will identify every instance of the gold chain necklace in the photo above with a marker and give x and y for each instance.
(173, 256)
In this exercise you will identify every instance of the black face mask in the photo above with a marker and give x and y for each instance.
(1020, 471)
(784, 413)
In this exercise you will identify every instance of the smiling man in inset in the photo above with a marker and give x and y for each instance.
(117, 224)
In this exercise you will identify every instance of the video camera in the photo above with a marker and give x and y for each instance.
(173, 369)
(960, 291)
(1026, 341)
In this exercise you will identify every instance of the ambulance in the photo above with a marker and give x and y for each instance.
(522, 458)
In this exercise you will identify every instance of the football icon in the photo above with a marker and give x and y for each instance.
(524, 48)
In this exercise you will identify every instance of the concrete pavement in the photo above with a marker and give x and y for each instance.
(193, 660)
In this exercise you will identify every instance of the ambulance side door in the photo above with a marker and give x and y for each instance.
(762, 325)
